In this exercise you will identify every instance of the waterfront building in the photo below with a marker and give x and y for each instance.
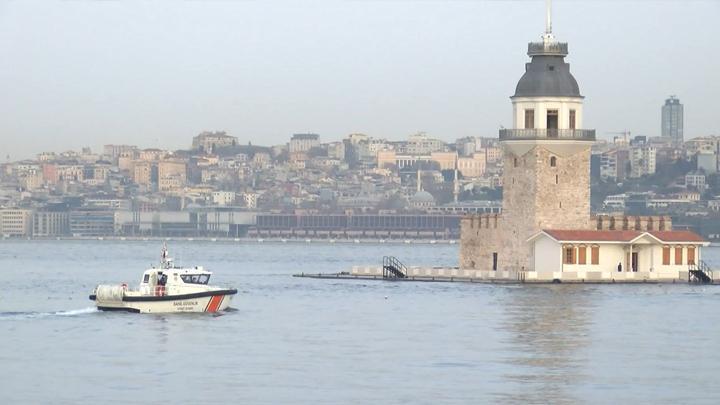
(662, 252)
(51, 223)
(15, 222)
(546, 179)
(672, 120)
(91, 222)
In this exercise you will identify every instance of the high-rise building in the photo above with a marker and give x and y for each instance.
(672, 120)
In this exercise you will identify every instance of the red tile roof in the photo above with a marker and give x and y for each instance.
(677, 236)
(621, 236)
(594, 236)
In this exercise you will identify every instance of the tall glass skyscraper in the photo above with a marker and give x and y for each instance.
(672, 119)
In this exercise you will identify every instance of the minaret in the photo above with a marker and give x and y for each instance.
(546, 155)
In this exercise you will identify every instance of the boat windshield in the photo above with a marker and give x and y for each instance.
(195, 278)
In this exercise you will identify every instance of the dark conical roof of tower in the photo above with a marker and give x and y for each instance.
(547, 74)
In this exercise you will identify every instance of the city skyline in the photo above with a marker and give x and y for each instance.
(90, 73)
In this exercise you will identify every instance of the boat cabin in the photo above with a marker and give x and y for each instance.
(162, 281)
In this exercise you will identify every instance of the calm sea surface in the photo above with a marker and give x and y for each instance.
(292, 340)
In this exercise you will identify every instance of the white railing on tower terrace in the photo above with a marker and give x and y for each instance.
(529, 134)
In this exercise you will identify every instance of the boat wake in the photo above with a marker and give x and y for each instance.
(35, 314)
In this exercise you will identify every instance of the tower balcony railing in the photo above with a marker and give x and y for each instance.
(547, 48)
(542, 134)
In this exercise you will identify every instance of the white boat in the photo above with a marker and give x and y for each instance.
(165, 289)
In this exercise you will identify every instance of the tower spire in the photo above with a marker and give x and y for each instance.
(548, 37)
(548, 16)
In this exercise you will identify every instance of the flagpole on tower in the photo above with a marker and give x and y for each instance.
(548, 16)
(548, 36)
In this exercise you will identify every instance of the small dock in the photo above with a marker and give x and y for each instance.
(394, 270)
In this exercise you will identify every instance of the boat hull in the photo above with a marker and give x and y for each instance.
(209, 301)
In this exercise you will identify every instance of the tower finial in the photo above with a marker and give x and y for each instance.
(548, 16)
(548, 36)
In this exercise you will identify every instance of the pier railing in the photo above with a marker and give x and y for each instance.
(393, 268)
(700, 272)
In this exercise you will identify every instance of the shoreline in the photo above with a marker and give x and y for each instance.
(234, 240)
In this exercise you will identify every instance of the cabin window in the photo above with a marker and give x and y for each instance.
(666, 255)
(195, 278)
(582, 255)
(678, 255)
(146, 278)
(553, 161)
(595, 255)
(569, 256)
(691, 254)
(529, 119)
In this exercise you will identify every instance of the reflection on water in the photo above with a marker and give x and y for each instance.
(548, 330)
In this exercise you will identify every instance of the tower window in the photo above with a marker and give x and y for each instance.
(553, 161)
(515, 162)
(557, 179)
(552, 121)
(529, 119)
(572, 119)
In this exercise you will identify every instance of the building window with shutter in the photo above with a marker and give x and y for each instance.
(595, 255)
(530, 119)
(582, 255)
(678, 255)
(569, 256)
(666, 256)
(691, 254)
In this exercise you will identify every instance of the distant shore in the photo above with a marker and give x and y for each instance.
(235, 240)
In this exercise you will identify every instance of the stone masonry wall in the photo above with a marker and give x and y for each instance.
(538, 195)
(480, 236)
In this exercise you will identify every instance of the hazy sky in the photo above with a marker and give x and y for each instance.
(154, 74)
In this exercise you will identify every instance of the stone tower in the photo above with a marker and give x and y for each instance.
(546, 158)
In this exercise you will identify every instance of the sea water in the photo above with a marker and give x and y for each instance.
(296, 340)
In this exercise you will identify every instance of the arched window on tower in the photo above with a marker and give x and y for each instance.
(553, 161)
